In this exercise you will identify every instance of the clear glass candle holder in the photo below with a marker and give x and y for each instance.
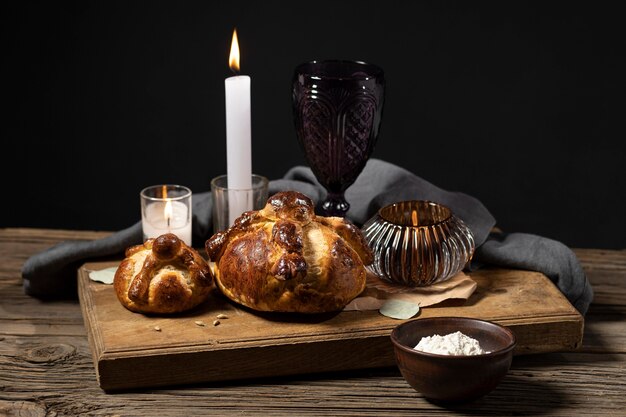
(417, 243)
(166, 209)
(229, 203)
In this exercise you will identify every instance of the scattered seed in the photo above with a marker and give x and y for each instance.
(200, 323)
(222, 316)
(216, 322)
(157, 328)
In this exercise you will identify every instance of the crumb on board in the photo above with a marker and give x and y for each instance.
(216, 322)
(157, 328)
(200, 323)
(222, 316)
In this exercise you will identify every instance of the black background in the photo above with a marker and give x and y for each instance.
(519, 104)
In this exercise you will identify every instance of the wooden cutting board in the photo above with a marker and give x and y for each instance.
(129, 353)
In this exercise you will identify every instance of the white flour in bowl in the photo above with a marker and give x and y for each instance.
(451, 344)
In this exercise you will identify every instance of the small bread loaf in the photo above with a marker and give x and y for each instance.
(284, 258)
(162, 276)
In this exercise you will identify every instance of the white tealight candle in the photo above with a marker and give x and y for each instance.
(167, 217)
(238, 136)
(166, 212)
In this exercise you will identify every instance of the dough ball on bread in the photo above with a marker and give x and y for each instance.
(163, 275)
(284, 258)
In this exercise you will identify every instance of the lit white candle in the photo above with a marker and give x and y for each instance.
(168, 216)
(166, 209)
(238, 136)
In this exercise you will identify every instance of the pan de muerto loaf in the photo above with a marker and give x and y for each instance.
(163, 275)
(284, 258)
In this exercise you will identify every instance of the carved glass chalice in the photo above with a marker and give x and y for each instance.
(337, 108)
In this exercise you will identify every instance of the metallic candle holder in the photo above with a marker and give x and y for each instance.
(417, 243)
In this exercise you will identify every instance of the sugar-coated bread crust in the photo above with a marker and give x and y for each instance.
(162, 276)
(284, 258)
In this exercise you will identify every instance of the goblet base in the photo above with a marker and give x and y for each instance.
(335, 205)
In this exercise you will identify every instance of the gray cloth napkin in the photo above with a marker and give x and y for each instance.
(51, 274)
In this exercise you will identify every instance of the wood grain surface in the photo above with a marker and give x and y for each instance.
(46, 366)
(129, 352)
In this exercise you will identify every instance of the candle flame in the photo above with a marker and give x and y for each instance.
(164, 191)
(414, 220)
(233, 59)
(167, 212)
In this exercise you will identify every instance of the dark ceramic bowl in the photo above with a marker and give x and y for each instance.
(447, 378)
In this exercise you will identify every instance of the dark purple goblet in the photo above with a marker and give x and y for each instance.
(337, 107)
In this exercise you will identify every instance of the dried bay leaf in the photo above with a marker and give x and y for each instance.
(399, 309)
(104, 276)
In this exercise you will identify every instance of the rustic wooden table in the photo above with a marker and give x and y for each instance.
(46, 366)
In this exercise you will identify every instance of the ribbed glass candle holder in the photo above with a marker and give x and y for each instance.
(417, 243)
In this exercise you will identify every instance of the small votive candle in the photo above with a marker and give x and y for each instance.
(166, 209)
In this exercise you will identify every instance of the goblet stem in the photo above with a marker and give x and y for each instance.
(335, 205)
